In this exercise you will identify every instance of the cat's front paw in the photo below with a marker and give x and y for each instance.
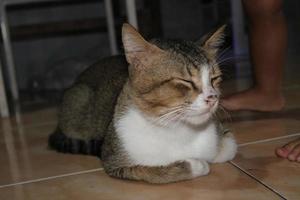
(198, 167)
(228, 149)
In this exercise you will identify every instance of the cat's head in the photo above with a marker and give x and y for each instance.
(174, 81)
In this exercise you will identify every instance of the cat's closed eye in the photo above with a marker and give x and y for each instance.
(184, 86)
(215, 80)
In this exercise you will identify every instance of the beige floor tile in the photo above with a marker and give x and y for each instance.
(33, 118)
(250, 130)
(253, 126)
(40, 116)
(224, 182)
(24, 155)
(260, 161)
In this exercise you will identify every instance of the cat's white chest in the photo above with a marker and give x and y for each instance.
(147, 144)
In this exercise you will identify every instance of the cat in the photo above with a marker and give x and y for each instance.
(151, 119)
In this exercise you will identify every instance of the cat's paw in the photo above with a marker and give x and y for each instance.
(227, 150)
(198, 167)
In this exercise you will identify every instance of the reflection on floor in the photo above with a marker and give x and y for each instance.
(29, 170)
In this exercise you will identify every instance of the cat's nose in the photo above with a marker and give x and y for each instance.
(211, 99)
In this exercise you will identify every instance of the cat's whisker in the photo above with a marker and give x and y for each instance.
(169, 113)
(193, 109)
(220, 62)
(223, 52)
(169, 116)
(180, 116)
(176, 116)
(174, 120)
(216, 115)
(174, 109)
(227, 114)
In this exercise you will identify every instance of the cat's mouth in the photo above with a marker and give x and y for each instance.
(190, 114)
(198, 119)
(203, 112)
(201, 115)
(208, 109)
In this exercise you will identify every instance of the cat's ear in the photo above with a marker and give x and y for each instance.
(137, 49)
(213, 41)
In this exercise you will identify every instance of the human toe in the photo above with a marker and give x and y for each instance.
(295, 153)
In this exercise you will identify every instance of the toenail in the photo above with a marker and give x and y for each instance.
(282, 152)
(279, 152)
(291, 157)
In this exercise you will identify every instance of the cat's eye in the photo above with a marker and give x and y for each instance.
(215, 80)
(183, 85)
(186, 82)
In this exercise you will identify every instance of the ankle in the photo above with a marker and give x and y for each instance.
(256, 99)
(267, 92)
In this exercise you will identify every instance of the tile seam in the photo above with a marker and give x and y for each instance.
(50, 178)
(269, 139)
(258, 180)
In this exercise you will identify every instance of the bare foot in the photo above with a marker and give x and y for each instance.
(290, 151)
(254, 99)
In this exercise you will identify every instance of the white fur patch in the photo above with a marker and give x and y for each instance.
(151, 145)
(205, 77)
(198, 167)
(200, 110)
(228, 149)
(207, 87)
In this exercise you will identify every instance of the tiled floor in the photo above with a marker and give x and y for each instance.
(29, 170)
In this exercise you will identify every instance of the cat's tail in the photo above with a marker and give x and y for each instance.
(64, 144)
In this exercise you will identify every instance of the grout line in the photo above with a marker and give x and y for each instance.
(35, 125)
(270, 139)
(259, 181)
(51, 177)
(31, 126)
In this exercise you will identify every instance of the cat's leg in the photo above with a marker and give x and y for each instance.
(177, 171)
(75, 132)
(76, 113)
(227, 148)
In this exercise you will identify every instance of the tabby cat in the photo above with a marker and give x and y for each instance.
(152, 120)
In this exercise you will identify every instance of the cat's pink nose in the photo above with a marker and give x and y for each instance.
(211, 99)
